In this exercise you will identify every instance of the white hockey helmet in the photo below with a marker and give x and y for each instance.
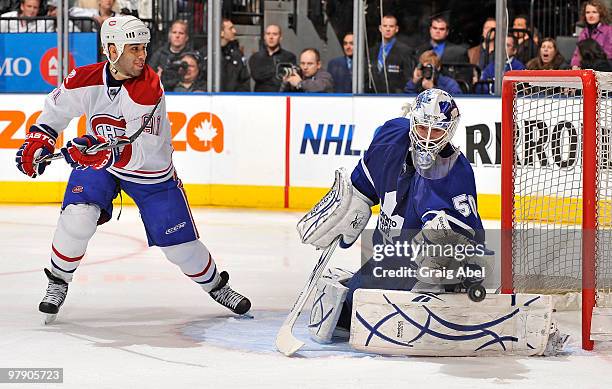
(121, 31)
(434, 117)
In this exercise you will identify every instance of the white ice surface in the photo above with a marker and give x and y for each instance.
(132, 320)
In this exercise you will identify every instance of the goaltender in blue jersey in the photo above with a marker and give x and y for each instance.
(414, 185)
(428, 240)
(427, 193)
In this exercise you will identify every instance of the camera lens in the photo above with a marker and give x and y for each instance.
(428, 72)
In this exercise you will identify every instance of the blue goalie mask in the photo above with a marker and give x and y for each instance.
(434, 118)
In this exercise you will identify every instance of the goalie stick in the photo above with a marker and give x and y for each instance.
(286, 343)
(111, 144)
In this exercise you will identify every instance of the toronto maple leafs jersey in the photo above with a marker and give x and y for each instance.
(114, 109)
(408, 200)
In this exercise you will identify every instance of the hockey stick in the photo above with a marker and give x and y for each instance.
(110, 144)
(286, 343)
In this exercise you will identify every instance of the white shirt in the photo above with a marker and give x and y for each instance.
(21, 25)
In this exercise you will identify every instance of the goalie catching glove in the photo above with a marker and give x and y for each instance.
(446, 243)
(74, 152)
(342, 211)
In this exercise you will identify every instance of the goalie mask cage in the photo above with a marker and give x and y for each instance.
(556, 188)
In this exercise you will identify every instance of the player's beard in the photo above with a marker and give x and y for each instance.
(136, 72)
(130, 71)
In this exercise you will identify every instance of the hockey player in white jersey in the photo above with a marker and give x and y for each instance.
(117, 96)
(427, 192)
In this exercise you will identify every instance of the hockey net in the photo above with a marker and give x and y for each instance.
(557, 187)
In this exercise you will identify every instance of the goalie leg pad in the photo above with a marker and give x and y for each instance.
(327, 304)
(76, 225)
(426, 324)
(342, 211)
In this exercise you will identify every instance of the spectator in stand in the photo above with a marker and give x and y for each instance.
(99, 15)
(341, 68)
(427, 75)
(526, 44)
(128, 7)
(264, 63)
(86, 4)
(311, 78)
(178, 43)
(486, 85)
(596, 17)
(447, 52)
(52, 11)
(592, 56)
(27, 9)
(191, 76)
(548, 57)
(392, 61)
(234, 73)
(483, 54)
(8, 5)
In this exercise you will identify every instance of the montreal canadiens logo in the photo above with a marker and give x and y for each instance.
(77, 189)
(49, 66)
(108, 125)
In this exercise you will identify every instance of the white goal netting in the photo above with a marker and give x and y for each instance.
(548, 182)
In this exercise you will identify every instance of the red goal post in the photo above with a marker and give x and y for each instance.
(556, 188)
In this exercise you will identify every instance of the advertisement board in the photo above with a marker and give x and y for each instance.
(270, 151)
(28, 62)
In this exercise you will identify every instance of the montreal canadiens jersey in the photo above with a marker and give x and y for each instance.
(408, 200)
(113, 111)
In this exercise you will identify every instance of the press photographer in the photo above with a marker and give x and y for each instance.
(426, 75)
(286, 69)
(310, 77)
(185, 75)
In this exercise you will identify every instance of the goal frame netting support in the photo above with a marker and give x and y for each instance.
(587, 81)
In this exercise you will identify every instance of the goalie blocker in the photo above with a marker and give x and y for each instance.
(344, 211)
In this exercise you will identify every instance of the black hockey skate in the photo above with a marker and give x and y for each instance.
(54, 298)
(228, 297)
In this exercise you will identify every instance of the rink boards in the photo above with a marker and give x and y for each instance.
(261, 151)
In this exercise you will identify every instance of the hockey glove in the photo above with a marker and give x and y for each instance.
(39, 142)
(74, 153)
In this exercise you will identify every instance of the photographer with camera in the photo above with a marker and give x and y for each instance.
(426, 75)
(264, 63)
(309, 77)
(185, 75)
